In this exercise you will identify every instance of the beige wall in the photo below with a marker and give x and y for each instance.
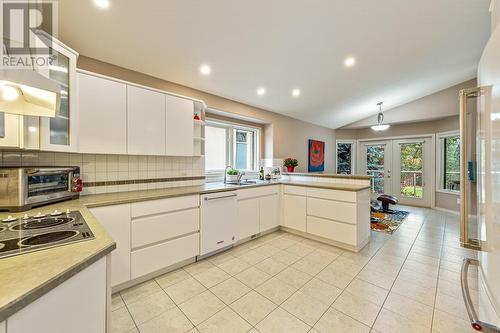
(283, 136)
(442, 200)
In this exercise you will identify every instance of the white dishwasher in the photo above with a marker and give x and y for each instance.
(218, 221)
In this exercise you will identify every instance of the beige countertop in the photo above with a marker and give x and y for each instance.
(326, 175)
(26, 277)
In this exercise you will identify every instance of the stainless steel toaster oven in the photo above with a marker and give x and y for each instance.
(22, 188)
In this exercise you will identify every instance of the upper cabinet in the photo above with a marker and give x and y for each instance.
(53, 134)
(102, 107)
(117, 117)
(179, 126)
(146, 121)
(61, 132)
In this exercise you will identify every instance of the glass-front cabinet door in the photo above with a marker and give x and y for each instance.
(59, 133)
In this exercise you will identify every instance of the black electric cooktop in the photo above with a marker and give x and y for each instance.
(33, 233)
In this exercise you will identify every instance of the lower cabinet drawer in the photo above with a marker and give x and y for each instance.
(340, 232)
(152, 229)
(334, 210)
(153, 258)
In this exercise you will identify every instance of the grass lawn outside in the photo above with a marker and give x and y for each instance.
(412, 192)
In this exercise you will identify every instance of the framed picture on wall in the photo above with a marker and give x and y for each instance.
(316, 154)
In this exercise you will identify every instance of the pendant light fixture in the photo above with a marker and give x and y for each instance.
(380, 119)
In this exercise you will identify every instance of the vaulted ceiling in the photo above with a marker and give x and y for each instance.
(403, 49)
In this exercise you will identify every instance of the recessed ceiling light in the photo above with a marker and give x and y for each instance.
(103, 4)
(205, 70)
(296, 92)
(261, 91)
(349, 62)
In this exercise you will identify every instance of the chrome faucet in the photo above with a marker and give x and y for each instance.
(240, 175)
(225, 172)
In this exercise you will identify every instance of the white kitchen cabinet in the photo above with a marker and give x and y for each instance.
(269, 212)
(11, 136)
(102, 113)
(116, 221)
(78, 305)
(179, 126)
(248, 222)
(156, 257)
(295, 212)
(145, 121)
(3, 327)
(155, 228)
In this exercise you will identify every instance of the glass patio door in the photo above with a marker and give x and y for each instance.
(400, 168)
(412, 171)
(377, 158)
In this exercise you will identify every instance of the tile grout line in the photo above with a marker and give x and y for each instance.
(399, 271)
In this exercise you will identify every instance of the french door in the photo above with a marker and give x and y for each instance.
(402, 168)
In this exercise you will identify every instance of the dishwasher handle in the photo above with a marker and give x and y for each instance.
(217, 198)
(476, 324)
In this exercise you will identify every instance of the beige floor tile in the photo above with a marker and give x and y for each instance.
(221, 258)
(172, 321)
(422, 294)
(280, 321)
(336, 277)
(415, 266)
(211, 277)
(135, 293)
(116, 302)
(150, 306)
(234, 266)
(184, 290)
(198, 267)
(444, 322)
(171, 278)
(322, 291)
(267, 250)
(252, 257)
(355, 258)
(294, 277)
(449, 304)
(309, 266)
(377, 278)
(414, 311)
(121, 321)
(253, 307)
(390, 322)
(253, 277)
(300, 249)
(271, 266)
(230, 290)
(239, 250)
(224, 321)
(322, 256)
(285, 257)
(304, 307)
(357, 308)
(368, 291)
(275, 290)
(282, 243)
(334, 321)
(417, 278)
(201, 307)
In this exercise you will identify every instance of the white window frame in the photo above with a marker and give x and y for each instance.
(230, 147)
(440, 161)
(354, 154)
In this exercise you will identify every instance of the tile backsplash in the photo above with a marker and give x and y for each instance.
(103, 171)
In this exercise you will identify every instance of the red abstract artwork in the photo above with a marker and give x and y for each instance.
(316, 156)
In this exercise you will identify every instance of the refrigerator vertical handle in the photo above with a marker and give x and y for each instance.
(465, 239)
(2, 125)
(476, 324)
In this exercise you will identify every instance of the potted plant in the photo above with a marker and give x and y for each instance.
(290, 164)
(232, 175)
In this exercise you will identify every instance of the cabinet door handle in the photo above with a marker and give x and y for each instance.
(217, 198)
(220, 242)
(476, 324)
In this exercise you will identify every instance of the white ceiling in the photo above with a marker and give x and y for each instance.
(404, 49)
